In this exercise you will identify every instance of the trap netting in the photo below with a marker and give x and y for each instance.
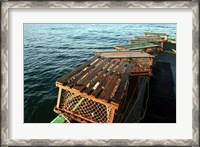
(143, 63)
(86, 108)
(138, 63)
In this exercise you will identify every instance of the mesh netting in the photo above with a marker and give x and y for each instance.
(143, 63)
(84, 107)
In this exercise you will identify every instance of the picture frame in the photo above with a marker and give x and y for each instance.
(6, 5)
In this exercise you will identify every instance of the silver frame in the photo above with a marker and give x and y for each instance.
(5, 141)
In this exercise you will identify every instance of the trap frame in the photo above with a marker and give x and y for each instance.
(93, 91)
(141, 62)
(145, 47)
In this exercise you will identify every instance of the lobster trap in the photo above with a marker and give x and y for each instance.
(94, 91)
(155, 38)
(155, 42)
(160, 36)
(141, 62)
(145, 47)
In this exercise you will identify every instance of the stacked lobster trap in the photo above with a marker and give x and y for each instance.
(101, 90)
(150, 42)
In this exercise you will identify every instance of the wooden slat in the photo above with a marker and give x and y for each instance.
(111, 85)
(156, 39)
(96, 78)
(141, 74)
(136, 47)
(78, 69)
(155, 34)
(103, 82)
(143, 41)
(72, 90)
(121, 88)
(124, 54)
(112, 114)
(119, 48)
(84, 72)
(148, 37)
(59, 97)
(93, 72)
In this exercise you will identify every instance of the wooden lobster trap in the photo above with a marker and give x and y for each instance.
(145, 47)
(134, 41)
(155, 42)
(161, 35)
(93, 91)
(154, 38)
(141, 62)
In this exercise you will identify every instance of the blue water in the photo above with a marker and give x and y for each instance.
(52, 50)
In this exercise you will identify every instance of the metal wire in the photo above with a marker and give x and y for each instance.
(143, 63)
(90, 109)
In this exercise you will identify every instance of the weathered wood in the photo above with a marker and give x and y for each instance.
(124, 54)
(131, 47)
(118, 48)
(164, 36)
(106, 94)
(144, 41)
(120, 91)
(148, 37)
(141, 74)
(140, 61)
(72, 83)
(112, 116)
(68, 76)
(98, 78)
(59, 97)
(92, 73)
(103, 82)
(154, 34)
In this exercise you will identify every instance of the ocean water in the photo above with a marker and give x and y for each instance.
(52, 50)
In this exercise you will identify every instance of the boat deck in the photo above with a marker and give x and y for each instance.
(162, 101)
